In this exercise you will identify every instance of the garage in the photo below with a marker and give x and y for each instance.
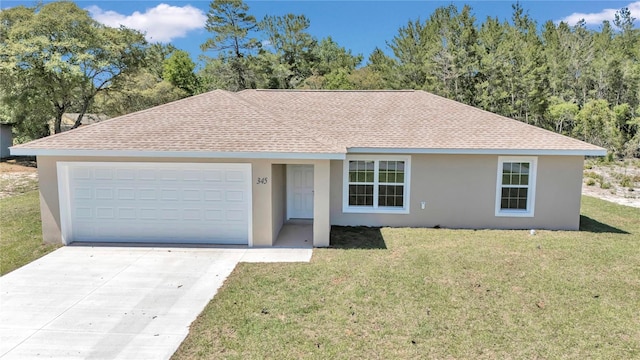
(189, 203)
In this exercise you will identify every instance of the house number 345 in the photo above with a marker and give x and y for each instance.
(262, 180)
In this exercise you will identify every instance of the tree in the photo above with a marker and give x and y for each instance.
(562, 114)
(385, 69)
(596, 123)
(330, 56)
(142, 89)
(332, 67)
(408, 47)
(287, 35)
(232, 27)
(493, 75)
(56, 58)
(451, 53)
(178, 70)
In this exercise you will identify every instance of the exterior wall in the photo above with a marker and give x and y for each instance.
(264, 233)
(278, 197)
(321, 203)
(6, 140)
(460, 192)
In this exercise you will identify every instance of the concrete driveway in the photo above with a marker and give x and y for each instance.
(114, 302)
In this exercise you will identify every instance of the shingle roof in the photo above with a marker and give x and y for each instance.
(328, 122)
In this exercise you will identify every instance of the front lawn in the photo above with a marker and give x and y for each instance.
(438, 293)
(20, 231)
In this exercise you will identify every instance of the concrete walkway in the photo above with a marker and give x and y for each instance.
(115, 302)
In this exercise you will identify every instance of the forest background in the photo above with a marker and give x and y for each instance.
(580, 82)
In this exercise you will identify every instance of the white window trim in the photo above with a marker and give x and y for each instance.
(531, 194)
(346, 208)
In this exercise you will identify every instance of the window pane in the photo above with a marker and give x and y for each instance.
(369, 177)
(391, 172)
(514, 198)
(506, 179)
(391, 195)
(361, 171)
(361, 195)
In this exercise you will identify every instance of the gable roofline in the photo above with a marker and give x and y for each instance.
(533, 152)
(17, 151)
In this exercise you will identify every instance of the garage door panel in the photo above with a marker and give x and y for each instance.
(126, 194)
(146, 175)
(234, 176)
(83, 194)
(103, 174)
(192, 195)
(160, 202)
(212, 175)
(104, 193)
(192, 175)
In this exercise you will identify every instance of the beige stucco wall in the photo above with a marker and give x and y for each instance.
(264, 222)
(460, 190)
(278, 198)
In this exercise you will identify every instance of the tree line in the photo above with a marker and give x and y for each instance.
(566, 78)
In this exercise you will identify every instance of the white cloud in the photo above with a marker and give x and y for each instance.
(599, 17)
(162, 23)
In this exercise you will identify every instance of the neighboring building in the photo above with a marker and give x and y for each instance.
(69, 119)
(231, 168)
(6, 140)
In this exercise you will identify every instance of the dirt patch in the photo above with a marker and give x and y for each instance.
(618, 182)
(17, 177)
(18, 165)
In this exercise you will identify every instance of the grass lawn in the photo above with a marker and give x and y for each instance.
(437, 293)
(21, 232)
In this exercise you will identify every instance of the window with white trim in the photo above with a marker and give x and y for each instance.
(515, 192)
(376, 184)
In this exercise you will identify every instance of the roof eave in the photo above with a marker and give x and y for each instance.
(20, 151)
(556, 152)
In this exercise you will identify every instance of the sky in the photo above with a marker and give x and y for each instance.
(358, 25)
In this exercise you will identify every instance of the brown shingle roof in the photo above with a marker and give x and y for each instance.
(327, 122)
(405, 119)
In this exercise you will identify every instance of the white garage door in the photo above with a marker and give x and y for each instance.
(155, 202)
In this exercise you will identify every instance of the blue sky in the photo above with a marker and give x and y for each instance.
(356, 25)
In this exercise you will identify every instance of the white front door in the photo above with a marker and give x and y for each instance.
(299, 191)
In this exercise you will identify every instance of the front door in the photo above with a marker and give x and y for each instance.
(299, 191)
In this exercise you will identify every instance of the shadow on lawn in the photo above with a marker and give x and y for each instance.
(594, 226)
(356, 237)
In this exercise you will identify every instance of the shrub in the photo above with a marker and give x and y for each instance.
(590, 182)
(593, 175)
(611, 157)
(626, 181)
(605, 185)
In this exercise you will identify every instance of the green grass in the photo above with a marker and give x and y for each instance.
(21, 232)
(437, 293)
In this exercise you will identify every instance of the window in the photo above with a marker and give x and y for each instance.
(376, 184)
(515, 193)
